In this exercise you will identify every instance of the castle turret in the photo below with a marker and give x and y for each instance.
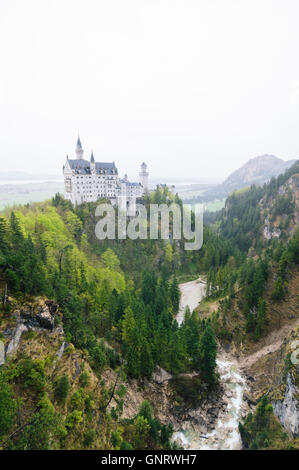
(144, 177)
(79, 150)
(92, 163)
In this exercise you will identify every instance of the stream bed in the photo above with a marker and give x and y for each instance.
(225, 435)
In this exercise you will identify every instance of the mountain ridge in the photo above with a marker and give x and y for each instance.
(257, 170)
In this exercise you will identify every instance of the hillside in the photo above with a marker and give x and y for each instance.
(88, 327)
(258, 170)
(73, 305)
(254, 300)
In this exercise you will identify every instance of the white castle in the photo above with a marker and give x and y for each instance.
(89, 181)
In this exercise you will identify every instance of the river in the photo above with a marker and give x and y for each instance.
(225, 435)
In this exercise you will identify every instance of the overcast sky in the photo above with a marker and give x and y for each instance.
(192, 87)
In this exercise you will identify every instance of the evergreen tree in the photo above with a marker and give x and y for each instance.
(278, 291)
(146, 360)
(207, 355)
(7, 406)
(175, 295)
(261, 318)
(3, 235)
(16, 232)
(62, 389)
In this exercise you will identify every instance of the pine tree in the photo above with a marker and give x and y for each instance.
(175, 295)
(208, 352)
(146, 360)
(7, 406)
(3, 235)
(16, 232)
(261, 318)
(278, 291)
(149, 287)
(62, 389)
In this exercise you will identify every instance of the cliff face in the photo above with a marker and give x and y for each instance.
(32, 336)
(284, 394)
(274, 372)
(287, 409)
(281, 212)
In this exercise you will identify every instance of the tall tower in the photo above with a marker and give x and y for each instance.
(92, 164)
(144, 177)
(79, 150)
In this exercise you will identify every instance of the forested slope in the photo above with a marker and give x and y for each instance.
(76, 310)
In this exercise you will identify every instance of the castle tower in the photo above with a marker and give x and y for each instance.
(79, 150)
(144, 177)
(92, 164)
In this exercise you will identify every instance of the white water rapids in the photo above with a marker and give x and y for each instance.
(225, 435)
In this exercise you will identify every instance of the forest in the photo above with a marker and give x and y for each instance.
(118, 301)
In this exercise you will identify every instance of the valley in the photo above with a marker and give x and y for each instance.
(142, 344)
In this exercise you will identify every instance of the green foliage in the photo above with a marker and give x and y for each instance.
(279, 289)
(261, 429)
(62, 389)
(207, 355)
(175, 295)
(7, 405)
(73, 419)
(140, 433)
(30, 374)
(84, 379)
(42, 427)
(43, 251)
(146, 432)
(89, 438)
(283, 205)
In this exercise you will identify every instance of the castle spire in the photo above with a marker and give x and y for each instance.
(92, 157)
(79, 149)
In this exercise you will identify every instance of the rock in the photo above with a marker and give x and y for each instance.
(77, 367)
(45, 318)
(250, 401)
(62, 349)
(7, 332)
(287, 410)
(161, 375)
(53, 307)
(2, 353)
(213, 411)
(40, 315)
(13, 345)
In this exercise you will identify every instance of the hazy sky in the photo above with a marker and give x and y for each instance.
(192, 87)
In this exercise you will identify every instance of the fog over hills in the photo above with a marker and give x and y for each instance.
(257, 170)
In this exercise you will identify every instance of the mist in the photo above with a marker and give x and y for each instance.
(193, 88)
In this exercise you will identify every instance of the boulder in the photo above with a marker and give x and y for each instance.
(41, 314)
(45, 318)
(161, 375)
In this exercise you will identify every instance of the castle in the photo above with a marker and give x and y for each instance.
(88, 181)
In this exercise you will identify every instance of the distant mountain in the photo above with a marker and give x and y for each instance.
(21, 176)
(257, 170)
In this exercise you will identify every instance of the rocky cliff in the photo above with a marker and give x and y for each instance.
(280, 213)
